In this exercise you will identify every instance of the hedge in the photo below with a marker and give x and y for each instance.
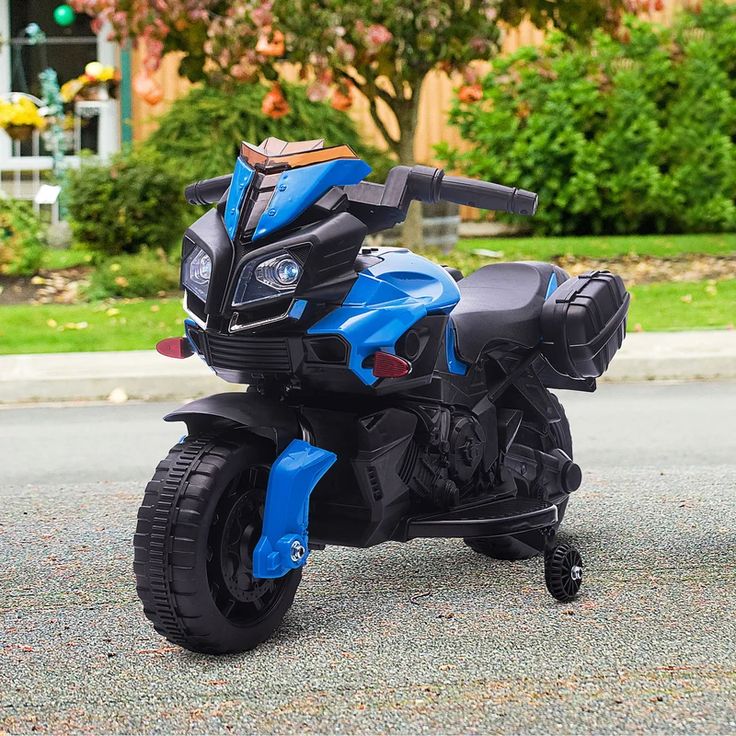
(628, 135)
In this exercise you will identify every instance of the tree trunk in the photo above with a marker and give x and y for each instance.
(407, 115)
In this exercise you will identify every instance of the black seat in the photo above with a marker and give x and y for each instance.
(502, 303)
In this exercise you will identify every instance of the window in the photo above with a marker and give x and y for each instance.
(67, 50)
(91, 125)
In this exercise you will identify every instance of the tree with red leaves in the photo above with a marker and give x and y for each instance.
(380, 49)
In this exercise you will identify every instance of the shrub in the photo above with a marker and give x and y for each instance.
(623, 136)
(22, 238)
(144, 274)
(200, 135)
(137, 201)
(132, 203)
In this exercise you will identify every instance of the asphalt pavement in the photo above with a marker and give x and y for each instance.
(426, 637)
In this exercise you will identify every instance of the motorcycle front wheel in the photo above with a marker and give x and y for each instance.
(198, 525)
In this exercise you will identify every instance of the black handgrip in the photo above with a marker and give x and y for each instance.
(207, 191)
(488, 196)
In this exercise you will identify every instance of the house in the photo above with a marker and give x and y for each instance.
(96, 125)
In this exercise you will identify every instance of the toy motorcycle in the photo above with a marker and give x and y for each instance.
(389, 398)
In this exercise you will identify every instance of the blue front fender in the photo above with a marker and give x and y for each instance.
(284, 544)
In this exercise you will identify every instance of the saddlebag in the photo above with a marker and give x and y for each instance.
(583, 324)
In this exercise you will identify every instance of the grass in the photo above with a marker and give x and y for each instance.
(119, 325)
(55, 260)
(139, 324)
(543, 249)
(608, 246)
(683, 305)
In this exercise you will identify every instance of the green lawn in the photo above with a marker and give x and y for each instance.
(683, 305)
(139, 324)
(54, 260)
(47, 328)
(608, 246)
(134, 326)
(543, 249)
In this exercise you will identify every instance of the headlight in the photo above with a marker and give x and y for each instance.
(271, 278)
(280, 273)
(197, 272)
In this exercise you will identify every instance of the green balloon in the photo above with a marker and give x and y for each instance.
(64, 15)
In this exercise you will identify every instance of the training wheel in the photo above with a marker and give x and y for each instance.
(563, 572)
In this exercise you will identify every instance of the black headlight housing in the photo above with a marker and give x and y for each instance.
(206, 237)
(253, 284)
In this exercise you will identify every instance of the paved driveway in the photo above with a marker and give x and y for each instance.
(425, 637)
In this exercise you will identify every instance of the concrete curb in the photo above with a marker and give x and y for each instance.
(135, 374)
(675, 356)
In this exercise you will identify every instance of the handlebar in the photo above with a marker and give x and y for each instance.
(422, 183)
(488, 196)
(428, 184)
(207, 191)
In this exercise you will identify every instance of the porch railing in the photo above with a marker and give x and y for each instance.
(25, 165)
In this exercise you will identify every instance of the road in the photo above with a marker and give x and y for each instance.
(423, 638)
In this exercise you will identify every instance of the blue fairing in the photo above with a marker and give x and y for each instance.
(551, 286)
(455, 365)
(298, 189)
(297, 308)
(385, 301)
(417, 277)
(293, 476)
(242, 177)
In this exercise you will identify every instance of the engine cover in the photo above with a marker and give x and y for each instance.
(444, 457)
(467, 443)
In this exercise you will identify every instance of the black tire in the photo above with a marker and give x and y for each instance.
(200, 519)
(544, 438)
(563, 572)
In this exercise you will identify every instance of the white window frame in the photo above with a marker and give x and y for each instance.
(5, 146)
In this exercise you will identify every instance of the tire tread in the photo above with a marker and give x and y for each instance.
(165, 542)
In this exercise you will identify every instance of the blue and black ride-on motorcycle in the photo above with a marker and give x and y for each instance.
(388, 398)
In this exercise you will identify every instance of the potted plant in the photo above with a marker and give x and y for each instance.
(20, 117)
(99, 82)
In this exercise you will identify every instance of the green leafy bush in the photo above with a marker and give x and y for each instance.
(22, 238)
(200, 135)
(132, 203)
(623, 136)
(144, 274)
(137, 200)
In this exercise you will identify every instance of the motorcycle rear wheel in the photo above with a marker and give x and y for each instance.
(198, 525)
(548, 438)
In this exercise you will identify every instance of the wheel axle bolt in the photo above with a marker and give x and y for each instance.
(297, 551)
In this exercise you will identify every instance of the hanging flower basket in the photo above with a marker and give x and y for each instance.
(20, 132)
(98, 83)
(95, 92)
(98, 92)
(19, 117)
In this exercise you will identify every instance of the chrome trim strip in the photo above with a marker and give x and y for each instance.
(235, 327)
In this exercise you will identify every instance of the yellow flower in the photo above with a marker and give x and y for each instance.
(22, 111)
(107, 74)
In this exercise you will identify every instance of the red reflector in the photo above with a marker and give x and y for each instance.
(174, 347)
(386, 365)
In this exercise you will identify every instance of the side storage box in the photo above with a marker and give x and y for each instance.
(584, 323)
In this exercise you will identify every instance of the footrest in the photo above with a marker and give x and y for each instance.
(485, 519)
